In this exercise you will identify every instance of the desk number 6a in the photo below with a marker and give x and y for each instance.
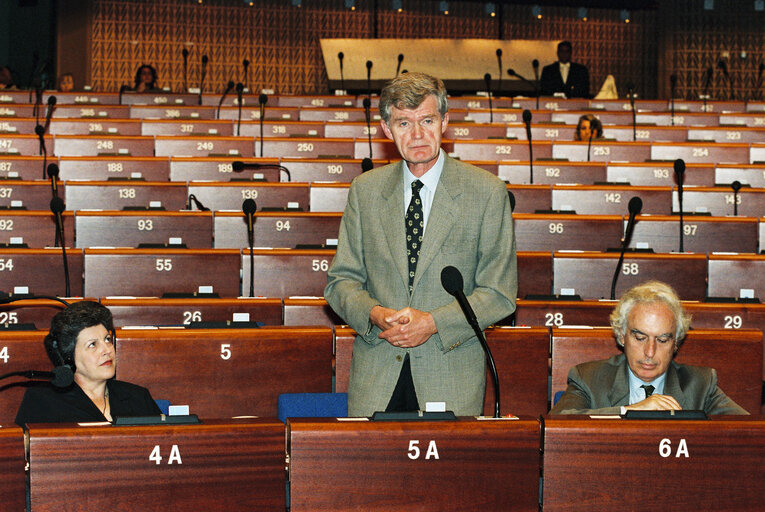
(665, 449)
(175, 455)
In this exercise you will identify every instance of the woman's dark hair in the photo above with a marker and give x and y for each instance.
(137, 80)
(67, 325)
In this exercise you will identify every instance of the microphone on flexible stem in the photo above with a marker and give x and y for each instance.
(239, 166)
(369, 78)
(707, 82)
(185, 54)
(229, 86)
(535, 65)
(40, 132)
(680, 174)
(736, 186)
(367, 115)
(52, 171)
(193, 199)
(631, 93)
(239, 91)
(511, 72)
(589, 141)
(61, 376)
(262, 100)
(57, 207)
(202, 76)
(249, 207)
(634, 206)
(340, 56)
(451, 280)
(123, 88)
(400, 60)
(487, 81)
(499, 62)
(672, 86)
(366, 164)
(246, 65)
(527, 122)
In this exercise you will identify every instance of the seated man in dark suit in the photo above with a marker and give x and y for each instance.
(650, 324)
(570, 78)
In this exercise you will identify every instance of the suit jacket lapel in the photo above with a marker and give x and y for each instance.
(619, 393)
(672, 386)
(441, 217)
(392, 219)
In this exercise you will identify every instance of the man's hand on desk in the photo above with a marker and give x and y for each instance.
(656, 403)
(407, 328)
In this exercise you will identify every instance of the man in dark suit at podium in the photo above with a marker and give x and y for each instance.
(650, 324)
(402, 225)
(564, 76)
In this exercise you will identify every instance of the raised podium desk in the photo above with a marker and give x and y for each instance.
(654, 465)
(11, 468)
(459, 465)
(217, 465)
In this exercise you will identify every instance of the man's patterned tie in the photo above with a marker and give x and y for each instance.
(414, 229)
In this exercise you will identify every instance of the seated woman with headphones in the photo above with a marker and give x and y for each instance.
(81, 338)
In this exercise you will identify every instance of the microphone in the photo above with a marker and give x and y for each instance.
(49, 111)
(535, 65)
(262, 100)
(487, 80)
(249, 207)
(369, 78)
(52, 171)
(367, 115)
(123, 88)
(511, 72)
(631, 94)
(679, 174)
(634, 206)
(340, 56)
(499, 62)
(366, 164)
(527, 121)
(229, 86)
(707, 81)
(197, 203)
(185, 54)
(736, 186)
(451, 280)
(62, 376)
(57, 207)
(672, 86)
(239, 91)
(239, 166)
(246, 66)
(400, 60)
(202, 76)
(589, 140)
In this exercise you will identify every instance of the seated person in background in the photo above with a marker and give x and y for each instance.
(588, 126)
(66, 82)
(650, 324)
(146, 79)
(81, 337)
(570, 78)
(6, 78)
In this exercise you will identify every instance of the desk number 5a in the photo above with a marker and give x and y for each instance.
(175, 455)
(414, 450)
(665, 449)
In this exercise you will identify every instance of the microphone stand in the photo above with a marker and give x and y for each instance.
(202, 79)
(262, 100)
(589, 141)
(367, 114)
(229, 86)
(680, 174)
(527, 122)
(487, 79)
(185, 54)
(57, 206)
(340, 56)
(249, 207)
(635, 205)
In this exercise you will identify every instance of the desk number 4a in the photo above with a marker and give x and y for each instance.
(175, 455)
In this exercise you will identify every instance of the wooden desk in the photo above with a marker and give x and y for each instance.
(659, 174)
(275, 229)
(41, 270)
(118, 195)
(159, 99)
(220, 464)
(70, 126)
(602, 151)
(726, 134)
(286, 272)
(383, 149)
(284, 129)
(541, 132)
(719, 201)
(733, 275)
(99, 112)
(177, 312)
(315, 100)
(24, 145)
(12, 462)
(520, 354)
(37, 312)
(184, 127)
(162, 111)
(310, 312)
(17, 167)
(230, 196)
(31, 195)
(102, 168)
(610, 199)
(306, 148)
(535, 273)
(544, 232)
(22, 351)
(132, 228)
(735, 354)
(103, 145)
(558, 313)
(362, 465)
(252, 112)
(329, 197)
(472, 131)
(639, 465)
(152, 272)
(701, 152)
(203, 146)
(222, 169)
(701, 234)
(221, 373)
(585, 173)
(590, 274)
(646, 133)
(334, 170)
(37, 229)
(752, 175)
(336, 114)
(498, 150)
(531, 198)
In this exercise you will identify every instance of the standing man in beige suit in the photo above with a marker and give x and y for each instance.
(402, 225)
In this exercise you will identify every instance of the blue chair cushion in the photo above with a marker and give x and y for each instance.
(312, 405)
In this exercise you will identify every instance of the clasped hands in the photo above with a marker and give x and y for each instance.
(656, 403)
(405, 328)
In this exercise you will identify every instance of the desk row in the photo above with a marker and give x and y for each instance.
(494, 465)
(303, 272)
(707, 152)
(550, 172)
(228, 230)
(235, 372)
(332, 197)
